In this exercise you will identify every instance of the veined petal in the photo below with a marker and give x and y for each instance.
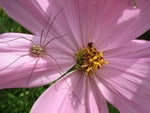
(133, 49)
(61, 98)
(41, 18)
(99, 21)
(122, 23)
(74, 94)
(28, 13)
(107, 23)
(19, 68)
(96, 102)
(125, 84)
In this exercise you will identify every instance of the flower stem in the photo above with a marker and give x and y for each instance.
(73, 68)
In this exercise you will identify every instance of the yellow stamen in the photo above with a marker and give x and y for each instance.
(89, 59)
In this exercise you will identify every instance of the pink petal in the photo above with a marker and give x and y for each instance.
(121, 23)
(61, 23)
(125, 83)
(107, 23)
(33, 16)
(28, 13)
(17, 66)
(76, 94)
(133, 49)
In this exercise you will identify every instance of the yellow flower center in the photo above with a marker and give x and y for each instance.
(37, 50)
(89, 60)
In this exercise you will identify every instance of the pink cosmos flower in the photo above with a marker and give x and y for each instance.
(96, 39)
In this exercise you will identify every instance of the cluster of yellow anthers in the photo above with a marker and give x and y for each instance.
(37, 50)
(89, 59)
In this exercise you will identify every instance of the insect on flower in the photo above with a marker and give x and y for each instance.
(37, 50)
(135, 3)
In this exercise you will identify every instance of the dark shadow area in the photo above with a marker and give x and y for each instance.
(145, 36)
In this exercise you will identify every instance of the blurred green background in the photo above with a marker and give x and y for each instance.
(21, 100)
